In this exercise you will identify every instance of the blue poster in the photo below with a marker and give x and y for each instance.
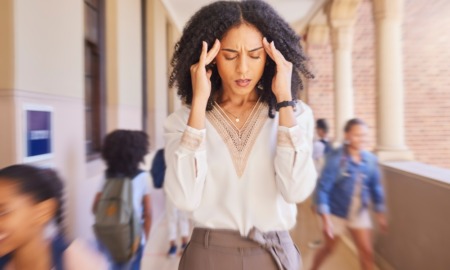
(39, 140)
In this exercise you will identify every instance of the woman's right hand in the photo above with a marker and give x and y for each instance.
(328, 228)
(201, 77)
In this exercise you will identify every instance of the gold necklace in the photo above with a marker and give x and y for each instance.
(236, 117)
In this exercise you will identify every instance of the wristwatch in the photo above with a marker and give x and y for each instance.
(285, 104)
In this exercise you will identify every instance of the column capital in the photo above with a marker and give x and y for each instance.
(342, 37)
(342, 12)
(388, 9)
(318, 35)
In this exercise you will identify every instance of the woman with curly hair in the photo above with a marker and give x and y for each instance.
(123, 151)
(239, 153)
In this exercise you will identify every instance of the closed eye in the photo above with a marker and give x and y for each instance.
(230, 58)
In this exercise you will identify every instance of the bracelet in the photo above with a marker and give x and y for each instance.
(285, 104)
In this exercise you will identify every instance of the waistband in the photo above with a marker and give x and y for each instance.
(272, 241)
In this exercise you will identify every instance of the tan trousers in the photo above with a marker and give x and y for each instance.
(227, 250)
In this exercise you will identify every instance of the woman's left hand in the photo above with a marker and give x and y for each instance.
(281, 82)
(382, 222)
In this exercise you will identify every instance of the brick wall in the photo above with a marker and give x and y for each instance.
(320, 94)
(426, 43)
(364, 69)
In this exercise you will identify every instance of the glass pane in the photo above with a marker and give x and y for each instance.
(88, 93)
(88, 120)
(93, 3)
(91, 24)
(87, 60)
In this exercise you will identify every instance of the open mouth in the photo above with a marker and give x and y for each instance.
(243, 82)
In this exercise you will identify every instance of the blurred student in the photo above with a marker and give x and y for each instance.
(123, 151)
(322, 144)
(350, 179)
(30, 200)
(177, 219)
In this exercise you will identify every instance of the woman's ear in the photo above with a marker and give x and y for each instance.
(45, 211)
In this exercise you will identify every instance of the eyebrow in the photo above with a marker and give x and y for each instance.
(234, 51)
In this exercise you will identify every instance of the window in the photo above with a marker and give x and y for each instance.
(94, 76)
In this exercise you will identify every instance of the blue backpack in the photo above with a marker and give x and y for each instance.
(158, 169)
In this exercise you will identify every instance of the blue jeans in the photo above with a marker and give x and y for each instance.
(134, 264)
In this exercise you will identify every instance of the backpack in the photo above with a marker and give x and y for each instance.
(158, 169)
(117, 226)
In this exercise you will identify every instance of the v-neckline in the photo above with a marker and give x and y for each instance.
(239, 141)
(231, 122)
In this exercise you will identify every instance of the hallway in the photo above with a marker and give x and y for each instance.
(155, 254)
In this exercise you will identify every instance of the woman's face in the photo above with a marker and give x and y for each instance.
(21, 219)
(241, 59)
(357, 137)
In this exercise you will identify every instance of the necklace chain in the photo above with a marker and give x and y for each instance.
(236, 117)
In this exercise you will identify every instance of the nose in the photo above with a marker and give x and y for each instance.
(242, 65)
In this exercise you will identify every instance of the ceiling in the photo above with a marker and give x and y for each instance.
(294, 12)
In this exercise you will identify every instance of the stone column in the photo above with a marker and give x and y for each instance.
(157, 97)
(389, 81)
(342, 39)
(341, 17)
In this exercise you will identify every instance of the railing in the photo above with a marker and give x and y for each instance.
(418, 200)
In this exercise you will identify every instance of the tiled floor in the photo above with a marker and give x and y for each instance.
(155, 254)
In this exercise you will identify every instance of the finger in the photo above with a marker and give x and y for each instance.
(213, 52)
(209, 73)
(202, 60)
(278, 55)
(268, 49)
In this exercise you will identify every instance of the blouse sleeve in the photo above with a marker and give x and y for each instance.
(186, 165)
(295, 171)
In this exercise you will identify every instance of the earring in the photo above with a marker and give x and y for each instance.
(260, 86)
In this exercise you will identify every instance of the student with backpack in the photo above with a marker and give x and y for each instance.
(322, 144)
(175, 217)
(31, 199)
(122, 206)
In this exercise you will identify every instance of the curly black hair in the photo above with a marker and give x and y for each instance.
(40, 184)
(212, 22)
(123, 150)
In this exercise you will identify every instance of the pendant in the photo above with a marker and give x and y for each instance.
(237, 120)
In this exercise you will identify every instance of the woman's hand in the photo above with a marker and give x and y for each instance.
(281, 82)
(328, 228)
(201, 85)
(201, 77)
(382, 222)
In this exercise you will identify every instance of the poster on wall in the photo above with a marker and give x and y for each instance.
(38, 133)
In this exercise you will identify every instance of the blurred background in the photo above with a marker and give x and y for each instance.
(84, 68)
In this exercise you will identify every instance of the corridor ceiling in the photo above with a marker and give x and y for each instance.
(295, 12)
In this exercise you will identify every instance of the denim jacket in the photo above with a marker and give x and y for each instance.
(337, 182)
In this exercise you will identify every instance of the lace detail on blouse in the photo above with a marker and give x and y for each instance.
(239, 141)
(192, 141)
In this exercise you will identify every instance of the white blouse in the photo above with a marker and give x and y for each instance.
(239, 179)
